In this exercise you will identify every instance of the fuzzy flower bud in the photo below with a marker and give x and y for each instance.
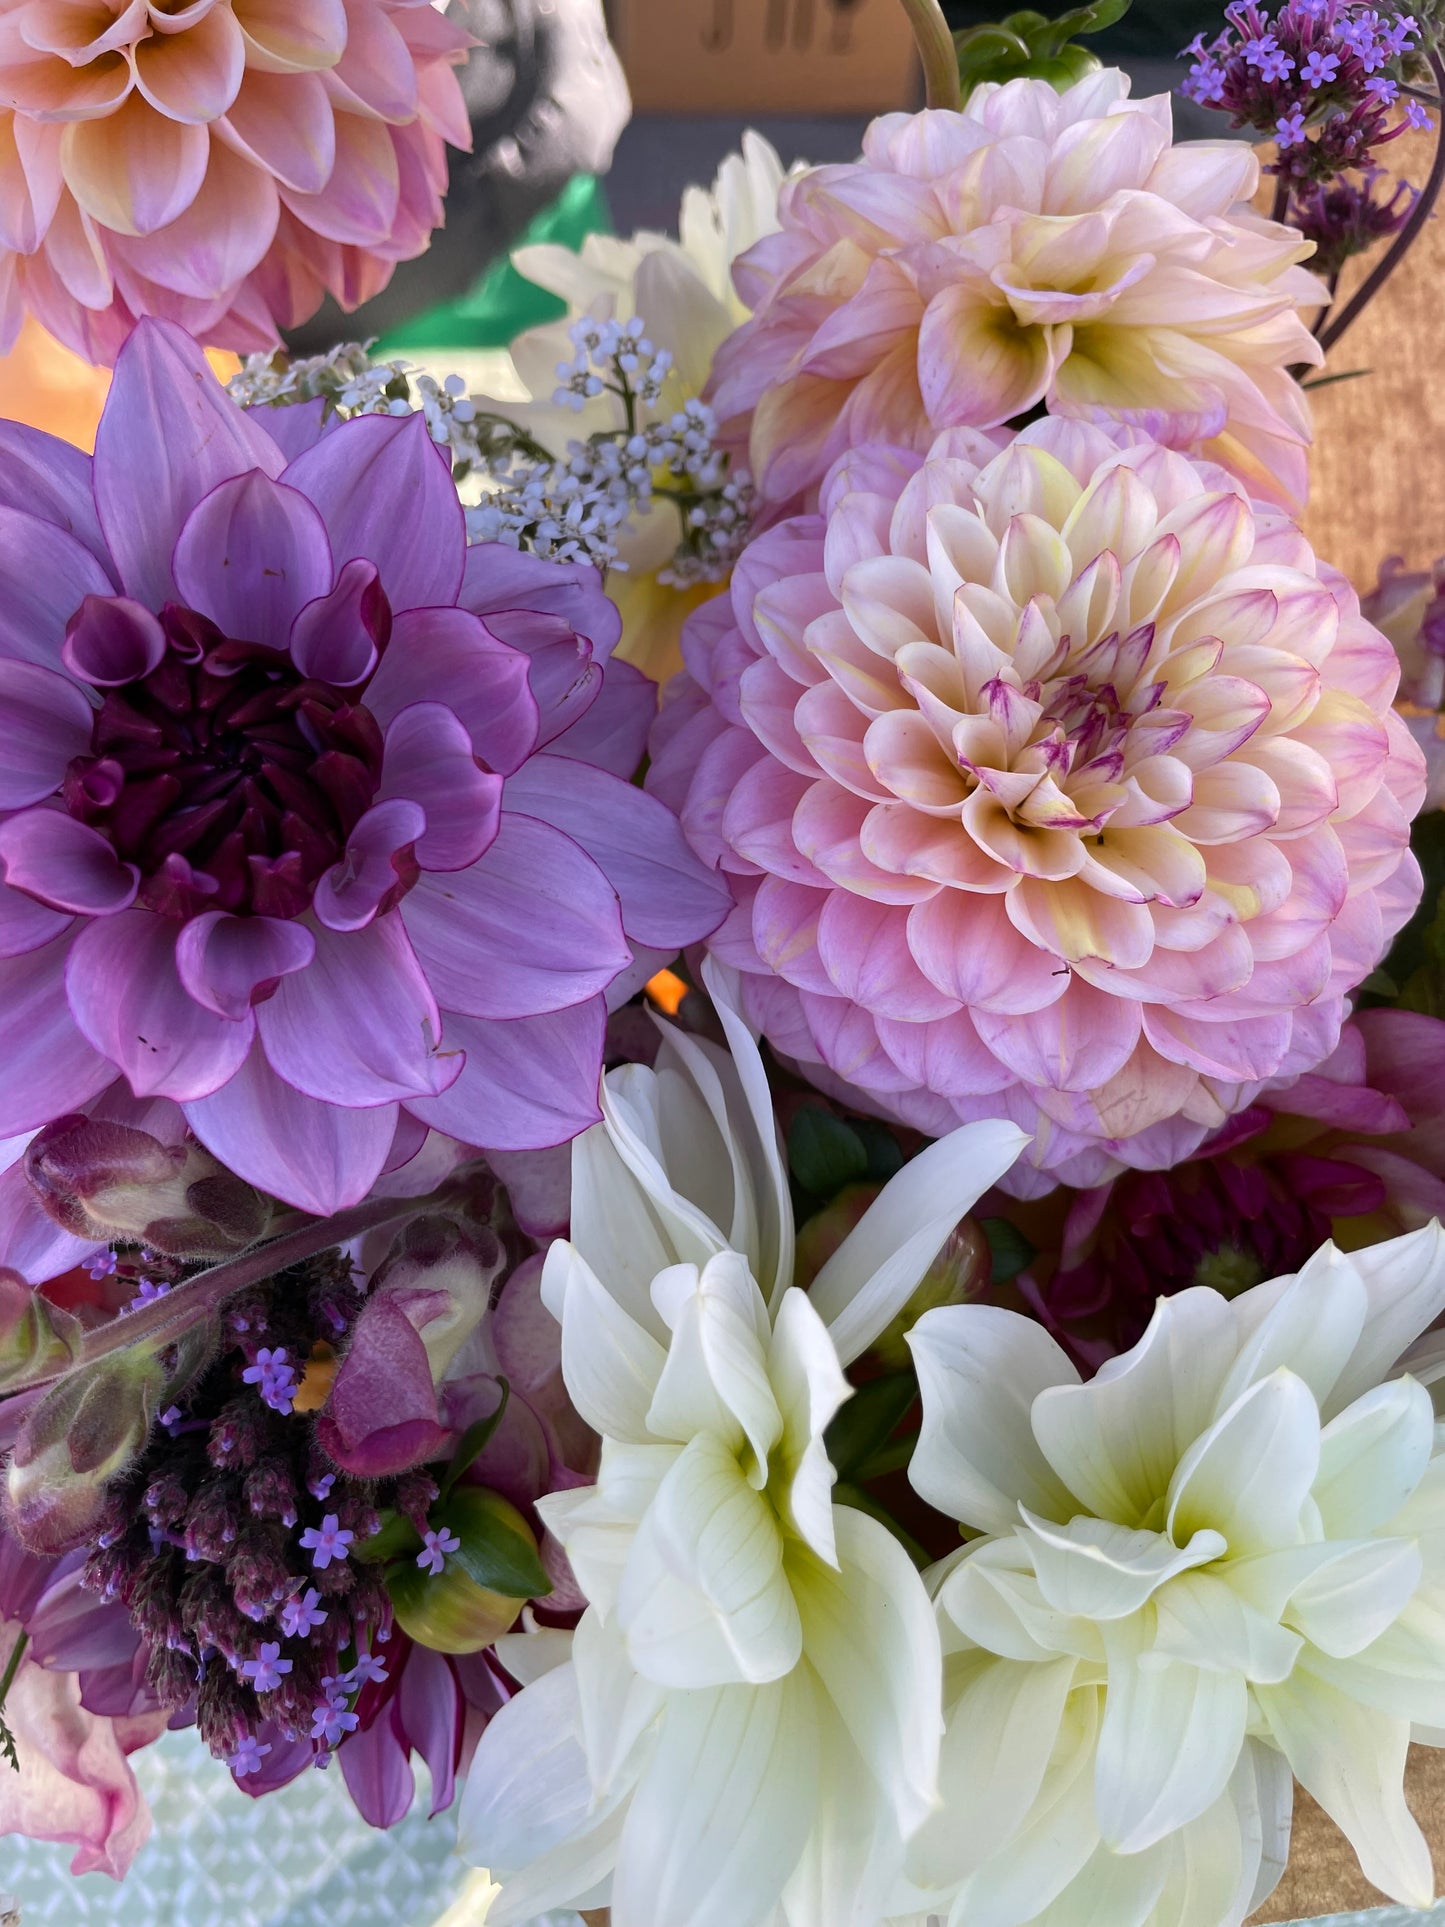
(83, 1432)
(35, 1336)
(110, 1181)
(432, 1293)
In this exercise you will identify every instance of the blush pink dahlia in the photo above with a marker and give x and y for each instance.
(223, 164)
(1036, 248)
(310, 817)
(1058, 783)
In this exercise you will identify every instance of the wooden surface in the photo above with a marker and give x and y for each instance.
(1323, 1876)
(1378, 467)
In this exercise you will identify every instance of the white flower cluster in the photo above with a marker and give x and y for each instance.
(568, 508)
(573, 508)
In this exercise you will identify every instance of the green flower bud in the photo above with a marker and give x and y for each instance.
(959, 1274)
(37, 1339)
(453, 1611)
(85, 1431)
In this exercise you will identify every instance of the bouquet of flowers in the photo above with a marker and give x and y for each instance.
(723, 1093)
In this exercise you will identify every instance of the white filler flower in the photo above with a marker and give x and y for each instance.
(1220, 1562)
(747, 1729)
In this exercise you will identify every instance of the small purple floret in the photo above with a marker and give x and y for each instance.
(330, 1540)
(298, 1616)
(436, 1547)
(248, 1756)
(268, 1669)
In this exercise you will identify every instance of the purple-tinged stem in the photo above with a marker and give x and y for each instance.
(942, 86)
(1331, 331)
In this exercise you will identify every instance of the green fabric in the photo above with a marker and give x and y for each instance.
(498, 306)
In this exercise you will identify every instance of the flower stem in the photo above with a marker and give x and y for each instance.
(935, 46)
(1424, 206)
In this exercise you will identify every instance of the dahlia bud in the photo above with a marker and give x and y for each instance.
(959, 1274)
(36, 1338)
(84, 1432)
(111, 1181)
(432, 1293)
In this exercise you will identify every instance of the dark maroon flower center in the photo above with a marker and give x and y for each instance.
(229, 779)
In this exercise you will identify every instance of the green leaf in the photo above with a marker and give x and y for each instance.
(475, 1440)
(493, 1553)
(824, 1153)
(868, 1420)
(1008, 1248)
(885, 1153)
(1030, 43)
(397, 1539)
(7, 1746)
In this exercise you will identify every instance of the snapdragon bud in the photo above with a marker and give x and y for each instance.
(113, 1182)
(431, 1294)
(85, 1431)
(959, 1275)
(37, 1339)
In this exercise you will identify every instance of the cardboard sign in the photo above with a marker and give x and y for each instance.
(765, 56)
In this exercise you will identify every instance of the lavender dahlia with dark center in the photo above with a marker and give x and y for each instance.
(314, 823)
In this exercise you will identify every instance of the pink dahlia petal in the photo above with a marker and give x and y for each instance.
(1114, 816)
(45, 572)
(319, 1157)
(533, 926)
(65, 864)
(528, 1083)
(45, 720)
(358, 1026)
(565, 676)
(51, 479)
(376, 1765)
(637, 844)
(126, 995)
(51, 1067)
(25, 924)
(613, 733)
(374, 491)
(111, 640)
(168, 436)
(485, 680)
(251, 555)
(429, 760)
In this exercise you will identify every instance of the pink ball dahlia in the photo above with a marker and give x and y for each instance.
(1036, 248)
(1058, 783)
(312, 819)
(222, 164)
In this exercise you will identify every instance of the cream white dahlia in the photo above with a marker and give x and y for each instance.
(1218, 1564)
(746, 1731)
(1054, 779)
(1039, 247)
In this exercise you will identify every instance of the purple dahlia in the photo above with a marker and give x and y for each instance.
(312, 820)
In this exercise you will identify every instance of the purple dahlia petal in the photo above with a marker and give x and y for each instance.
(127, 997)
(169, 434)
(376, 1764)
(565, 676)
(360, 1026)
(251, 555)
(667, 897)
(540, 1192)
(527, 1084)
(318, 1157)
(484, 679)
(65, 864)
(497, 577)
(230, 963)
(432, 1710)
(30, 1241)
(533, 926)
(45, 575)
(336, 638)
(45, 720)
(429, 759)
(111, 640)
(50, 1066)
(354, 889)
(385, 492)
(25, 924)
(50, 478)
(613, 733)
(298, 425)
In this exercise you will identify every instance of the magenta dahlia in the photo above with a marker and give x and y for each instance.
(312, 820)
(1055, 781)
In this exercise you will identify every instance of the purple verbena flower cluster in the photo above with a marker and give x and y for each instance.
(1316, 77)
(1344, 217)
